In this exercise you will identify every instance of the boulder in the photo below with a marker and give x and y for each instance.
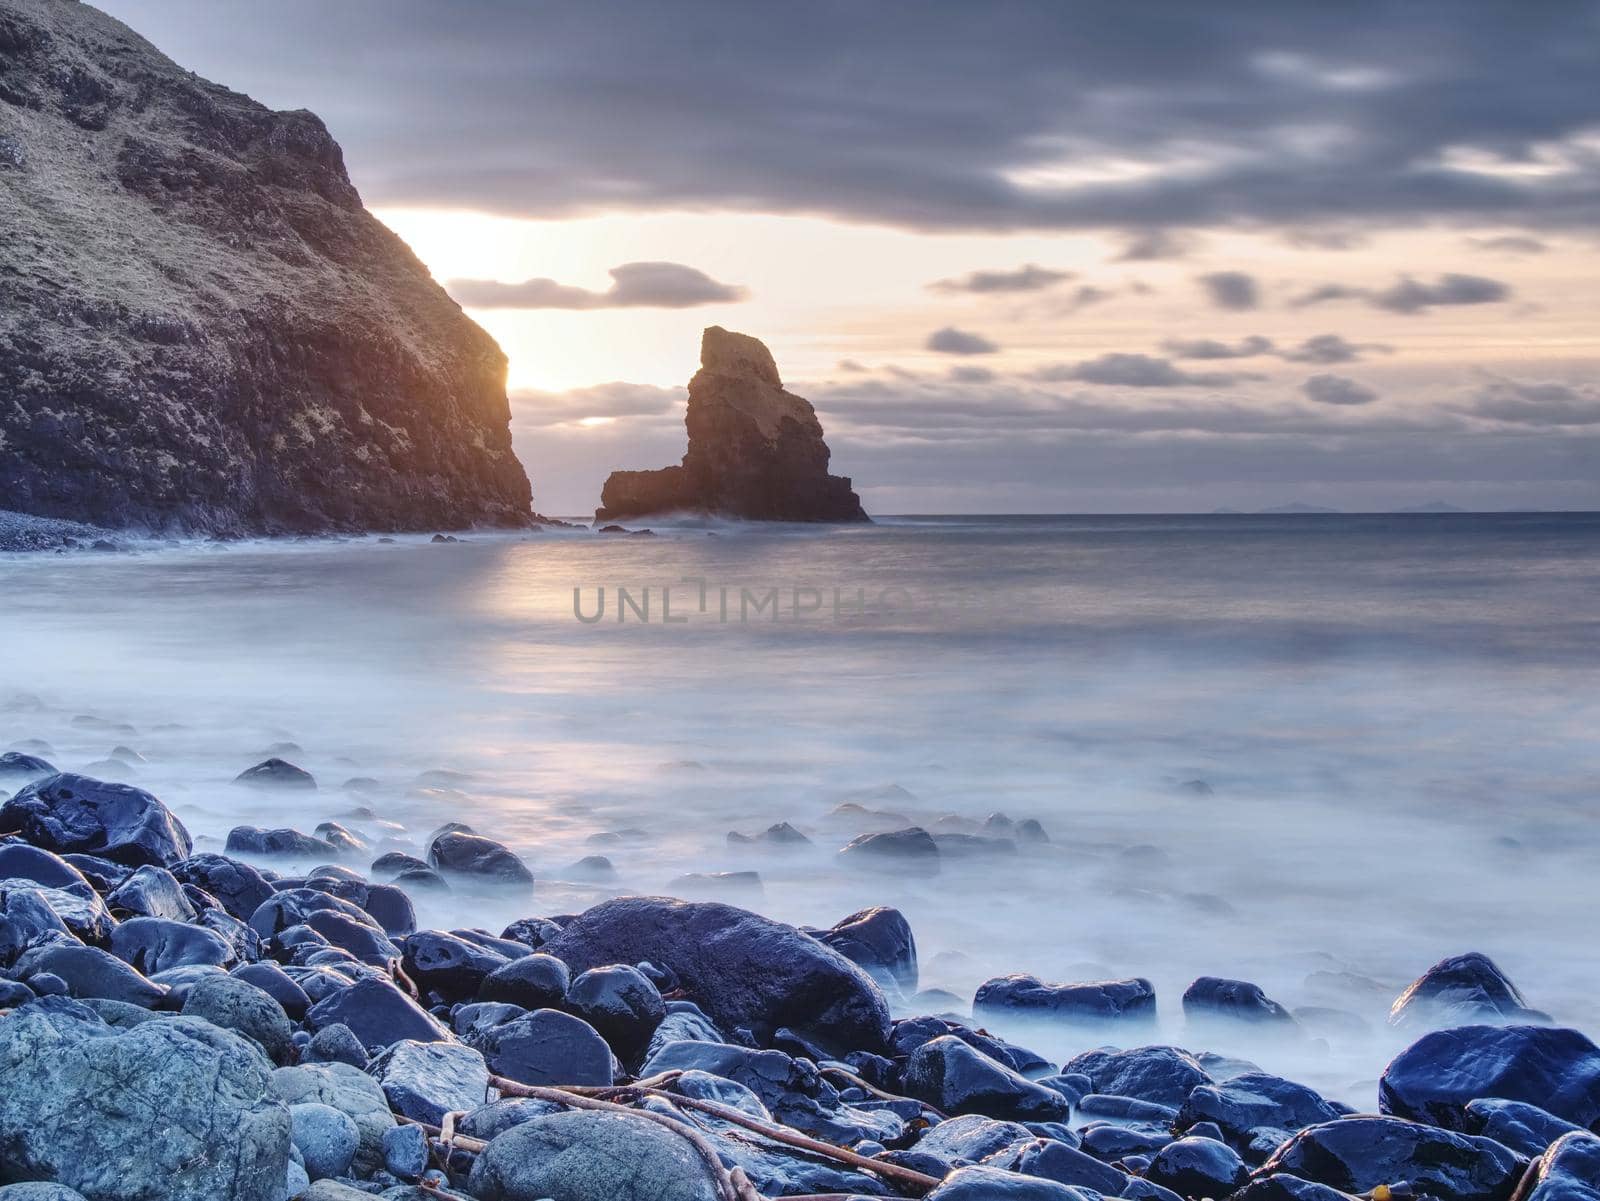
(1460, 991)
(18, 769)
(425, 1081)
(1435, 1078)
(349, 1090)
(532, 981)
(622, 1004)
(546, 1047)
(1213, 999)
(335, 1044)
(327, 1139)
(1253, 1101)
(1162, 1075)
(154, 944)
(1525, 1128)
(240, 888)
(405, 1152)
(591, 1157)
(980, 1183)
(954, 1077)
(377, 1013)
(1569, 1170)
(70, 814)
(1198, 1167)
(151, 892)
(1356, 1154)
(911, 849)
(744, 970)
(684, 1022)
(483, 859)
(755, 450)
(880, 942)
(449, 967)
(276, 983)
(235, 1004)
(19, 861)
(1092, 1003)
(1052, 1160)
(90, 972)
(290, 843)
(175, 1108)
(31, 914)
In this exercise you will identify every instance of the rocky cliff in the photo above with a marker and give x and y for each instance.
(755, 450)
(201, 328)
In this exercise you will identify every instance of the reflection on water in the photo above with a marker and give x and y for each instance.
(1319, 753)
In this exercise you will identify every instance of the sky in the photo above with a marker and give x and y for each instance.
(1040, 256)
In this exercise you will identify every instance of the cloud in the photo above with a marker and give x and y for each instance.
(1331, 348)
(1536, 404)
(1337, 390)
(1151, 245)
(1408, 295)
(1031, 278)
(1135, 371)
(535, 407)
(1510, 244)
(1167, 116)
(1231, 289)
(972, 375)
(951, 340)
(634, 285)
(1210, 348)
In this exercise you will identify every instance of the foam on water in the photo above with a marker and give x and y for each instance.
(1392, 718)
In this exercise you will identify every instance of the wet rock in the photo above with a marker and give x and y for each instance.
(377, 1013)
(531, 932)
(236, 1005)
(395, 862)
(880, 942)
(1051, 1160)
(154, 944)
(102, 874)
(621, 1003)
(335, 1044)
(912, 849)
(1198, 1167)
(277, 773)
(1282, 1187)
(980, 1183)
(1435, 1078)
(1127, 1111)
(423, 880)
(1213, 999)
(175, 1109)
(405, 1152)
(272, 980)
(253, 840)
(340, 837)
(593, 867)
(953, 1077)
(495, 1118)
(326, 1138)
(19, 861)
(1113, 1142)
(684, 1022)
(779, 835)
(546, 1047)
(294, 907)
(425, 1081)
(533, 981)
(90, 972)
(391, 909)
(18, 769)
(1459, 991)
(1254, 1101)
(481, 858)
(350, 1091)
(1569, 1171)
(239, 887)
(1162, 1075)
(1355, 1154)
(449, 967)
(1525, 1128)
(33, 914)
(590, 1157)
(76, 814)
(1021, 996)
(744, 970)
(151, 892)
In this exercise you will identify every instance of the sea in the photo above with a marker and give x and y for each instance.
(1317, 752)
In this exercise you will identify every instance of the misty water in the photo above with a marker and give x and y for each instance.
(1319, 753)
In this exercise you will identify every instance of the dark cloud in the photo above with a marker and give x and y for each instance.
(951, 340)
(635, 285)
(1337, 390)
(934, 113)
(1210, 348)
(1031, 278)
(1231, 289)
(1331, 348)
(972, 375)
(1150, 245)
(1510, 244)
(1135, 371)
(1536, 404)
(1408, 295)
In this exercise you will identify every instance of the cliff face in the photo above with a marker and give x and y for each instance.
(755, 450)
(200, 326)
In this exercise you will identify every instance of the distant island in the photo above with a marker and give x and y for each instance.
(755, 449)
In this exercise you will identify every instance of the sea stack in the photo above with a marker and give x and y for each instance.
(755, 449)
(201, 327)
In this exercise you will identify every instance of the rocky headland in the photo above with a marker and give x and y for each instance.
(755, 449)
(193, 1025)
(202, 329)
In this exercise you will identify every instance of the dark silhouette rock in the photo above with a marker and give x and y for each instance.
(1021, 996)
(240, 888)
(621, 1003)
(1214, 999)
(911, 849)
(201, 326)
(1435, 1078)
(18, 768)
(755, 450)
(1254, 1101)
(1161, 1075)
(1569, 1170)
(1356, 1154)
(253, 840)
(449, 967)
(70, 814)
(468, 854)
(1459, 991)
(878, 940)
(1525, 1128)
(377, 1013)
(1198, 1167)
(277, 773)
(952, 1076)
